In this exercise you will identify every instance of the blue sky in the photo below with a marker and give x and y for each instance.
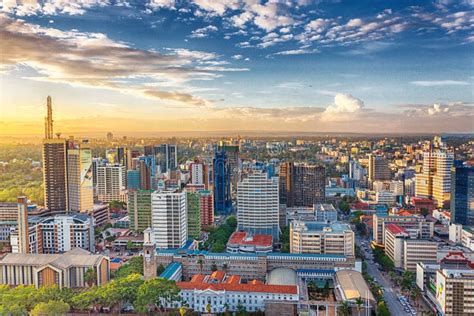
(361, 66)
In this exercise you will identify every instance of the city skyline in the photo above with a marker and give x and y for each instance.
(293, 66)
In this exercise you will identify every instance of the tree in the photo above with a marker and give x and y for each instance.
(382, 309)
(130, 245)
(160, 269)
(415, 294)
(90, 277)
(225, 267)
(407, 280)
(359, 302)
(200, 262)
(344, 309)
(52, 308)
(208, 308)
(156, 293)
(241, 311)
(213, 267)
(134, 265)
(326, 289)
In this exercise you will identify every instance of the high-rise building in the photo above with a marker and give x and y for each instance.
(301, 184)
(206, 205)
(147, 168)
(111, 183)
(169, 218)
(378, 168)
(139, 209)
(199, 174)
(54, 166)
(233, 157)
(166, 157)
(79, 173)
(23, 227)
(133, 179)
(193, 201)
(258, 205)
(356, 171)
(462, 195)
(222, 197)
(434, 181)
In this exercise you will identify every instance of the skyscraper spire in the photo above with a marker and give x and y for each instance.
(48, 120)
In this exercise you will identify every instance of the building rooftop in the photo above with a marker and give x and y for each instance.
(282, 276)
(170, 270)
(395, 229)
(242, 238)
(352, 285)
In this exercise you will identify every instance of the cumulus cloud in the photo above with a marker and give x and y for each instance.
(345, 108)
(451, 110)
(50, 7)
(94, 60)
(203, 32)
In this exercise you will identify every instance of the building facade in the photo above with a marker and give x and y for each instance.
(111, 183)
(462, 195)
(258, 206)
(222, 196)
(79, 175)
(193, 201)
(315, 237)
(206, 206)
(378, 168)
(139, 209)
(169, 219)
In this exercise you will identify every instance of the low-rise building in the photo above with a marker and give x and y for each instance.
(316, 213)
(64, 270)
(220, 292)
(242, 242)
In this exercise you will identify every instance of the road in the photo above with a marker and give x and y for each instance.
(390, 296)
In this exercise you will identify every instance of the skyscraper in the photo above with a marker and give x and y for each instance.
(206, 207)
(111, 183)
(166, 157)
(258, 205)
(233, 156)
(139, 209)
(79, 172)
(222, 197)
(434, 181)
(378, 168)
(301, 184)
(462, 195)
(23, 228)
(169, 219)
(193, 202)
(199, 174)
(54, 166)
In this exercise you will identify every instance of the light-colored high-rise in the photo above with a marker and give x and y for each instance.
(80, 187)
(434, 181)
(111, 183)
(23, 228)
(169, 218)
(257, 205)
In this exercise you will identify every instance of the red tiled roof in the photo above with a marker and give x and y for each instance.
(233, 279)
(198, 278)
(231, 287)
(405, 213)
(360, 206)
(395, 229)
(255, 282)
(217, 275)
(240, 238)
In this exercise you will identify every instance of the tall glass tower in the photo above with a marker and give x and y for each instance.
(222, 197)
(462, 195)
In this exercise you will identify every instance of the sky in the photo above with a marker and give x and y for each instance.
(225, 65)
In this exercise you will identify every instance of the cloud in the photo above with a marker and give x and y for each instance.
(158, 4)
(203, 32)
(345, 108)
(439, 83)
(437, 110)
(95, 61)
(50, 7)
(237, 57)
(301, 51)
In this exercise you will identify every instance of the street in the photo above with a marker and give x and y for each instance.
(390, 295)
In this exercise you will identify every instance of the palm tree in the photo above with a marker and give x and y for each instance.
(344, 309)
(415, 294)
(225, 266)
(359, 302)
(208, 308)
(90, 277)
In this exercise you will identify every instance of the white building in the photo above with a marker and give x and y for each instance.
(169, 219)
(455, 231)
(111, 183)
(79, 180)
(258, 205)
(385, 197)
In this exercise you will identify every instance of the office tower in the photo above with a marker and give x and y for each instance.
(23, 227)
(193, 200)
(258, 205)
(378, 168)
(222, 197)
(462, 195)
(199, 174)
(148, 150)
(133, 180)
(356, 171)
(111, 183)
(147, 168)
(166, 157)
(233, 157)
(54, 167)
(169, 218)
(301, 185)
(316, 237)
(206, 205)
(96, 162)
(434, 181)
(80, 173)
(139, 209)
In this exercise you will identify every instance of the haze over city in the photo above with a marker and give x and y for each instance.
(308, 66)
